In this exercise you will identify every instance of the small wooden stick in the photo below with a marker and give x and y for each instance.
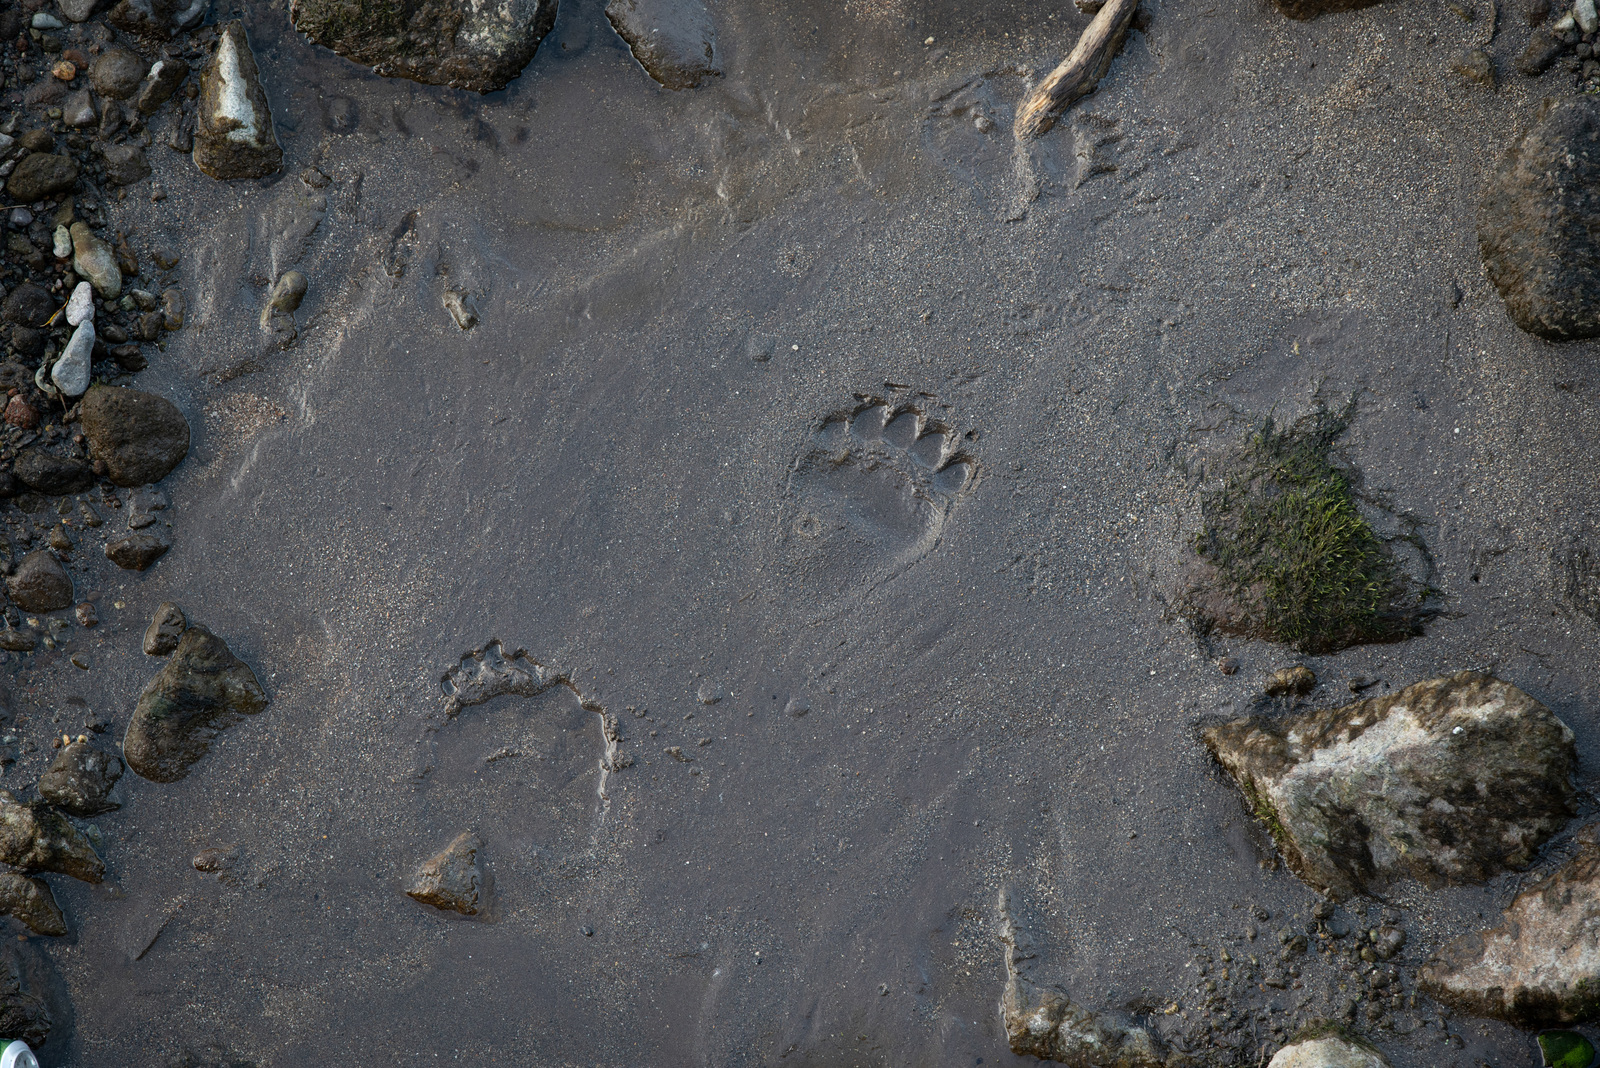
(1079, 73)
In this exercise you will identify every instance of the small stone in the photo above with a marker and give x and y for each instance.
(61, 243)
(161, 636)
(78, 111)
(200, 691)
(234, 138)
(35, 837)
(673, 40)
(1542, 50)
(30, 901)
(124, 164)
(215, 860)
(80, 780)
(1535, 11)
(287, 292)
(129, 358)
(1475, 66)
(460, 307)
(93, 259)
(1228, 665)
(63, 70)
(450, 880)
(40, 583)
(116, 73)
(86, 615)
(19, 413)
(166, 75)
(41, 175)
(1584, 12)
(43, 20)
(17, 641)
(71, 371)
(172, 309)
(1302, 10)
(136, 552)
(48, 473)
(1294, 681)
(139, 436)
(80, 306)
(1329, 1051)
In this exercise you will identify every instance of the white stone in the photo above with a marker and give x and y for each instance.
(1327, 1052)
(1584, 12)
(43, 20)
(63, 242)
(233, 102)
(80, 307)
(71, 372)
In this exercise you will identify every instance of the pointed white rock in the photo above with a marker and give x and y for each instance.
(71, 372)
(81, 306)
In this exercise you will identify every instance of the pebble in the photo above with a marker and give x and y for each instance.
(234, 137)
(71, 372)
(81, 304)
(20, 217)
(1584, 12)
(94, 259)
(61, 243)
(80, 779)
(40, 584)
(459, 305)
(287, 292)
(63, 70)
(77, 110)
(78, 10)
(19, 413)
(209, 686)
(166, 75)
(1294, 681)
(124, 164)
(161, 636)
(116, 73)
(172, 309)
(43, 20)
(1475, 65)
(450, 880)
(136, 552)
(86, 614)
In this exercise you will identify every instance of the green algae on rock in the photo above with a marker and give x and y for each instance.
(1452, 780)
(1285, 552)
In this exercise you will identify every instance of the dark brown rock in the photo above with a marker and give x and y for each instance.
(135, 552)
(35, 837)
(80, 779)
(203, 689)
(125, 164)
(40, 583)
(52, 474)
(166, 75)
(1310, 9)
(450, 879)
(157, 18)
(161, 636)
(39, 176)
(28, 305)
(116, 73)
(140, 437)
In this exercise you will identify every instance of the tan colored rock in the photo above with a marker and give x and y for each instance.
(450, 879)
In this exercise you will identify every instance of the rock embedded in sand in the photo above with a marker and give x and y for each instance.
(27, 305)
(80, 780)
(1452, 780)
(461, 309)
(41, 175)
(1534, 226)
(1294, 681)
(161, 636)
(124, 164)
(35, 837)
(136, 552)
(1541, 966)
(450, 880)
(31, 902)
(140, 437)
(481, 46)
(673, 40)
(234, 137)
(203, 689)
(40, 583)
(1328, 1051)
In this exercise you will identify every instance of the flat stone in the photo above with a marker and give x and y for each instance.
(40, 583)
(673, 40)
(35, 837)
(234, 137)
(117, 72)
(39, 176)
(450, 880)
(48, 473)
(125, 164)
(30, 901)
(71, 372)
(1541, 966)
(1328, 1051)
(136, 552)
(166, 75)
(1475, 65)
(1447, 781)
(168, 625)
(140, 437)
(481, 46)
(202, 690)
(80, 780)
(1535, 221)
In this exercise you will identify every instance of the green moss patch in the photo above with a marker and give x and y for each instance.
(1290, 557)
(1566, 1049)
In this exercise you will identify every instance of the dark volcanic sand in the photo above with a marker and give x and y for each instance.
(675, 291)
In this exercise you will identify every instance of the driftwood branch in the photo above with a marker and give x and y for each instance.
(1079, 73)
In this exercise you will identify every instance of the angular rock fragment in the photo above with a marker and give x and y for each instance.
(71, 372)
(234, 138)
(481, 46)
(35, 837)
(1539, 224)
(166, 75)
(125, 164)
(40, 583)
(1541, 966)
(1451, 780)
(673, 40)
(202, 690)
(136, 552)
(140, 437)
(1542, 49)
(31, 902)
(80, 780)
(450, 879)
(1328, 1051)
(168, 625)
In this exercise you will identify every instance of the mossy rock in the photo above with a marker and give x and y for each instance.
(1284, 551)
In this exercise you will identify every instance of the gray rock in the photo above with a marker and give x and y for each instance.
(234, 137)
(26, 985)
(41, 175)
(1447, 781)
(52, 474)
(1310, 9)
(1541, 966)
(43, 20)
(481, 46)
(172, 309)
(71, 371)
(77, 110)
(673, 40)
(1328, 1051)
(161, 636)
(202, 690)
(136, 552)
(116, 73)
(95, 260)
(1534, 227)
(157, 18)
(1475, 65)
(80, 306)
(166, 75)
(40, 583)
(450, 880)
(35, 837)
(79, 10)
(125, 164)
(30, 901)
(139, 436)
(80, 780)
(287, 292)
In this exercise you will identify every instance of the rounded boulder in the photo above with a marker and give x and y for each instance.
(140, 437)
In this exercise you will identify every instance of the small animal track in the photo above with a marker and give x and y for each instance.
(871, 494)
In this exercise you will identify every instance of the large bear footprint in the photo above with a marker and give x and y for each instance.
(871, 493)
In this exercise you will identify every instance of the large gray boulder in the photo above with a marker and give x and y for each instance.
(1539, 225)
(479, 46)
(673, 40)
(203, 689)
(1541, 966)
(1452, 780)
